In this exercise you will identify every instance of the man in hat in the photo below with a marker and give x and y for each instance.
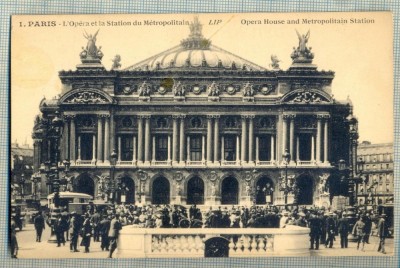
(113, 233)
(315, 225)
(330, 230)
(104, 229)
(343, 230)
(74, 229)
(38, 221)
(383, 232)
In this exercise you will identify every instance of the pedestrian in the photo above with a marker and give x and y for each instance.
(343, 230)
(383, 232)
(86, 233)
(66, 218)
(104, 229)
(315, 225)
(74, 229)
(95, 220)
(59, 230)
(40, 225)
(368, 227)
(13, 239)
(330, 230)
(115, 227)
(359, 232)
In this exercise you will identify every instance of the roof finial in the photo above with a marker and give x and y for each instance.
(196, 39)
(195, 28)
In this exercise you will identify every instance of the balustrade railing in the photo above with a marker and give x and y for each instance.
(196, 242)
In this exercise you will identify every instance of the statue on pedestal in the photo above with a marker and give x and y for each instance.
(302, 54)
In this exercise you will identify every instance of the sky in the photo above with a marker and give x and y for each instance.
(358, 47)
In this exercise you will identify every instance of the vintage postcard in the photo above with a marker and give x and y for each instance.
(202, 135)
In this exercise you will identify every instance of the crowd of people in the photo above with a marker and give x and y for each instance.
(102, 223)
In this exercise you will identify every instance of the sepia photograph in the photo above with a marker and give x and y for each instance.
(248, 135)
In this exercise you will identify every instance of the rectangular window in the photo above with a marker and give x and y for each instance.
(195, 147)
(230, 147)
(86, 146)
(305, 146)
(264, 148)
(126, 148)
(162, 148)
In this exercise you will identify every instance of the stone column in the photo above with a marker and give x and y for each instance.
(237, 150)
(182, 140)
(119, 149)
(203, 148)
(72, 140)
(251, 139)
(209, 139)
(99, 139)
(244, 140)
(216, 139)
(66, 140)
(297, 149)
(107, 140)
(175, 139)
(291, 138)
(134, 149)
(284, 133)
(312, 148)
(222, 149)
(326, 141)
(169, 149)
(147, 140)
(272, 147)
(94, 149)
(318, 143)
(188, 149)
(153, 151)
(79, 148)
(257, 149)
(140, 140)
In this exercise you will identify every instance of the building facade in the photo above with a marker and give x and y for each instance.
(377, 186)
(199, 125)
(22, 188)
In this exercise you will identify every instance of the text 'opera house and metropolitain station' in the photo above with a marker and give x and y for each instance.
(199, 125)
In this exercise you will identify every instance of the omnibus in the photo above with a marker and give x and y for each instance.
(71, 200)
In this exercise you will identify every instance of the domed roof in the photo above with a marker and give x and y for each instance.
(195, 52)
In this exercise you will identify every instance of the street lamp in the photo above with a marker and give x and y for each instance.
(113, 161)
(35, 179)
(22, 185)
(286, 184)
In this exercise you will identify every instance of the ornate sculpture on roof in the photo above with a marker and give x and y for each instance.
(196, 39)
(274, 62)
(213, 90)
(248, 90)
(116, 62)
(144, 89)
(92, 53)
(86, 97)
(178, 89)
(302, 54)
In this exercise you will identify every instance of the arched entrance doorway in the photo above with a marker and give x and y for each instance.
(160, 192)
(195, 191)
(85, 184)
(127, 194)
(305, 186)
(264, 191)
(229, 191)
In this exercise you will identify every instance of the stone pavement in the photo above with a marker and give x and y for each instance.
(28, 248)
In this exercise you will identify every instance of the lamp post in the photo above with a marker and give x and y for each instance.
(35, 179)
(113, 162)
(286, 184)
(22, 185)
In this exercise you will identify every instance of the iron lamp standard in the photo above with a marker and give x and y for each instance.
(112, 187)
(35, 179)
(286, 185)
